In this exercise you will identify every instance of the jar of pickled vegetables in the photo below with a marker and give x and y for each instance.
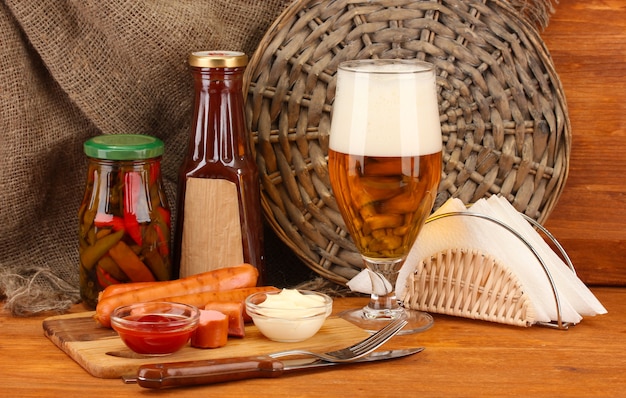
(124, 218)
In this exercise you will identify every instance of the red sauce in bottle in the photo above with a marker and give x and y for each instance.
(219, 219)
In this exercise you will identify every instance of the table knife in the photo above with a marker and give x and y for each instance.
(189, 373)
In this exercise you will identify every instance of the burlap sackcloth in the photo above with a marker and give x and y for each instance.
(71, 70)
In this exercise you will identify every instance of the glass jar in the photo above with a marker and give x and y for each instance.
(124, 218)
(219, 220)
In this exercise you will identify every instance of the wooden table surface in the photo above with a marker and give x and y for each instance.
(587, 39)
(462, 358)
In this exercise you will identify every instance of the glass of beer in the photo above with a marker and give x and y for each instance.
(384, 163)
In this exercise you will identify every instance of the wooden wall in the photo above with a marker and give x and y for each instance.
(587, 40)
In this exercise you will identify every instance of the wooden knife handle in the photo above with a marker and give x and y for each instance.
(178, 374)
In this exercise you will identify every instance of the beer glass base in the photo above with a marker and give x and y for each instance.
(418, 321)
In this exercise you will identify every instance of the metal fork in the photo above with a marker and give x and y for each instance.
(355, 351)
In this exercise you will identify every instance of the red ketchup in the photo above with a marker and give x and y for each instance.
(156, 334)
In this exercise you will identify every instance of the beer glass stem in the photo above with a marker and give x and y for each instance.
(383, 275)
(383, 305)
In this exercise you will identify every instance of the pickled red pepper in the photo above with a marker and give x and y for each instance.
(133, 204)
(124, 220)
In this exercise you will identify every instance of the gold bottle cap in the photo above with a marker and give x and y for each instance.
(218, 59)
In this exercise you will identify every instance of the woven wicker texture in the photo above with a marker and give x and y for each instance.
(503, 114)
(469, 284)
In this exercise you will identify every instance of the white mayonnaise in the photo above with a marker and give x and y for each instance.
(291, 304)
(290, 316)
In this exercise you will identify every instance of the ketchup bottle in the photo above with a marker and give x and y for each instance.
(219, 220)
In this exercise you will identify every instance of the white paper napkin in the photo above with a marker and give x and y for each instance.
(470, 232)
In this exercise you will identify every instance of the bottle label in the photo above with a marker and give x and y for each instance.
(211, 236)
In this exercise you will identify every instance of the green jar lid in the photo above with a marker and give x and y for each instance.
(123, 147)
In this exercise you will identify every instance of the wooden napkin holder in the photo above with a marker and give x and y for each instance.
(472, 284)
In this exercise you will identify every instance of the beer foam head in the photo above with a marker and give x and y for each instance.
(386, 108)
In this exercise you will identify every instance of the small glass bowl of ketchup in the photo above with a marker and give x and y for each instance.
(155, 328)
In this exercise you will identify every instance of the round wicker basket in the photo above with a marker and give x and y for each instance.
(504, 117)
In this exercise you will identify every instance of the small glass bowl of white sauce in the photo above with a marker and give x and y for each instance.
(289, 315)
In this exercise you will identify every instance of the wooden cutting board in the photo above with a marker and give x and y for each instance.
(85, 342)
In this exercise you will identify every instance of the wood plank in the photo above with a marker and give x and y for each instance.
(86, 343)
(587, 42)
(577, 219)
